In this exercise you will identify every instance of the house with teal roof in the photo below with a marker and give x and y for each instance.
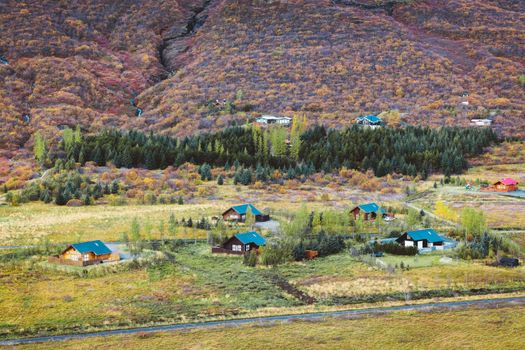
(423, 238)
(241, 243)
(371, 121)
(85, 253)
(238, 213)
(368, 211)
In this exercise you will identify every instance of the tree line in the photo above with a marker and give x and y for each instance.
(411, 150)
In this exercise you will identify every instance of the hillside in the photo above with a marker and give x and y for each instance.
(83, 64)
(332, 60)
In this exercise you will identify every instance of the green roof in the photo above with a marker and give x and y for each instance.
(251, 237)
(95, 247)
(371, 208)
(425, 234)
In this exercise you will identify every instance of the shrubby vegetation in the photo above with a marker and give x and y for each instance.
(394, 248)
(323, 243)
(64, 187)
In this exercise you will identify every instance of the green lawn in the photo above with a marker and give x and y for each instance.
(202, 286)
(197, 286)
(423, 260)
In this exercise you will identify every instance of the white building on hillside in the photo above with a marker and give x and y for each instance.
(270, 119)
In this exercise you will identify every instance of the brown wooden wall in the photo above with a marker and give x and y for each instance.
(228, 215)
(72, 255)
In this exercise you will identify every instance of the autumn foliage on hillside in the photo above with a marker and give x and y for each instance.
(337, 62)
(81, 62)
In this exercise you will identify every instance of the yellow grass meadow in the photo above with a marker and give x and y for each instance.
(472, 328)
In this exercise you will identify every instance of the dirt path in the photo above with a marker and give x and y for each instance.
(308, 316)
(282, 283)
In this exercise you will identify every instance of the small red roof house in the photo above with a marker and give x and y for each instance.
(506, 185)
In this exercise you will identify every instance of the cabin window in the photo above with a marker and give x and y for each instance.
(247, 247)
(236, 247)
(86, 257)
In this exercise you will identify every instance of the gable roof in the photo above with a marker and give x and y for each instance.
(251, 237)
(429, 234)
(370, 118)
(508, 181)
(371, 208)
(96, 247)
(243, 208)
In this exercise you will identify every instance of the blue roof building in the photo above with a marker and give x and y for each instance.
(85, 253)
(241, 243)
(96, 247)
(423, 238)
(238, 213)
(368, 211)
(370, 120)
(243, 209)
(251, 237)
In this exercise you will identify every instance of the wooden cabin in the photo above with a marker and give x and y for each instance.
(86, 253)
(238, 213)
(368, 211)
(241, 244)
(425, 238)
(506, 185)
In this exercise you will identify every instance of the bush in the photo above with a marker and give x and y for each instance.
(394, 234)
(330, 244)
(298, 252)
(324, 244)
(480, 247)
(275, 254)
(250, 259)
(394, 248)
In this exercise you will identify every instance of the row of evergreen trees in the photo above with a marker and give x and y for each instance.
(65, 186)
(411, 151)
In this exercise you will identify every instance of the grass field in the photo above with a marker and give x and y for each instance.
(424, 260)
(24, 224)
(473, 328)
(500, 211)
(197, 286)
(20, 225)
(202, 286)
(342, 276)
